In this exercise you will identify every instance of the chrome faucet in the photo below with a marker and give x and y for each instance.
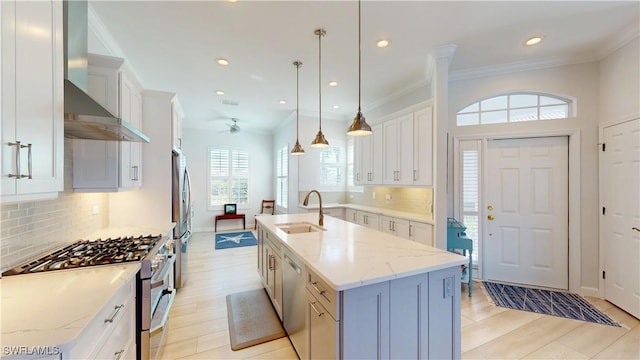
(306, 202)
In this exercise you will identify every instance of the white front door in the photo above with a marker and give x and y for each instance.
(620, 186)
(526, 211)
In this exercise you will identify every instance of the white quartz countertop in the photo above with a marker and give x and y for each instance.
(424, 218)
(52, 308)
(347, 255)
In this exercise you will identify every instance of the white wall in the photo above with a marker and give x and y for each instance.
(620, 83)
(579, 82)
(195, 147)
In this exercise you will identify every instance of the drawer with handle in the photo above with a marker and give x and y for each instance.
(326, 295)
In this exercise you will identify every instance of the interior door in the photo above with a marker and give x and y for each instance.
(526, 211)
(620, 162)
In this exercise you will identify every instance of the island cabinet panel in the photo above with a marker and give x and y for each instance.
(444, 314)
(408, 320)
(364, 322)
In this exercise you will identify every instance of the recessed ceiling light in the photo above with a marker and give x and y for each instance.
(336, 106)
(219, 92)
(383, 43)
(533, 40)
(222, 61)
(333, 83)
(232, 1)
(282, 102)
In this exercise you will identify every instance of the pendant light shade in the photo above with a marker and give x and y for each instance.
(359, 126)
(320, 140)
(297, 148)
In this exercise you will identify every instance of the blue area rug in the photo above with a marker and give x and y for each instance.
(235, 239)
(547, 302)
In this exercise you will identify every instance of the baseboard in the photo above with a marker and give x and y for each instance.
(589, 291)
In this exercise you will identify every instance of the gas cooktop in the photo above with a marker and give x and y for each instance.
(90, 253)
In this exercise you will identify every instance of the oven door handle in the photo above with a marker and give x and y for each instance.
(168, 266)
(160, 327)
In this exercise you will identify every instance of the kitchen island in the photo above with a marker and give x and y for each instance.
(367, 294)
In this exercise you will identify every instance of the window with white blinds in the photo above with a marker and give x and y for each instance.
(351, 171)
(331, 167)
(282, 177)
(228, 176)
(470, 192)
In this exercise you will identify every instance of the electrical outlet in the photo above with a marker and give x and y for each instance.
(387, 197)
(95, 210)
(374, 195)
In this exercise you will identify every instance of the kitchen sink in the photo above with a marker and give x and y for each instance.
(299, 227)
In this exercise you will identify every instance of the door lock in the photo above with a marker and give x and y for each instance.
(490, 217)
(490, 207)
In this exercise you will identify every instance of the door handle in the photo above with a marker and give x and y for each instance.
(490, 217)
(29, 162)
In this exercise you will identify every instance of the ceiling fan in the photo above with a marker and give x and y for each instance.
(233, 128)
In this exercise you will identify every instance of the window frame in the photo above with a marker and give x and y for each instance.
(282, 175)
(477, 108)
(230, 176)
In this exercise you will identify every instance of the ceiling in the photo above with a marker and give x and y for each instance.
(172, 46)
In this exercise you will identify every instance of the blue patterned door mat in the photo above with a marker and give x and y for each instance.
(547, 302)
(235, 239)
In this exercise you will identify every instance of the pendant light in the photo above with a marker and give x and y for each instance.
(320, 141)
(359, 127)
(297, 148)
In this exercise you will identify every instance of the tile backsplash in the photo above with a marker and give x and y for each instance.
(414, 200)
(32, 228)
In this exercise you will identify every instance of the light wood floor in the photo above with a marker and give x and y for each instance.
(198, 326)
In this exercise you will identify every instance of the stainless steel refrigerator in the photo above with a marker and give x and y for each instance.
(181, 215)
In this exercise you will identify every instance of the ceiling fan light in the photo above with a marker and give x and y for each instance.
(319, 141)
(297, 149)
(359, 126)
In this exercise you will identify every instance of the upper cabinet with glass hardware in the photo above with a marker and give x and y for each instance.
(32, 100)
(400, 152)
(100, 165)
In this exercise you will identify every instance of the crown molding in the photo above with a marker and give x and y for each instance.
(502, 69)
(619, 40)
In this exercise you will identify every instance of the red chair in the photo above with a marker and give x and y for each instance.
(268, 207)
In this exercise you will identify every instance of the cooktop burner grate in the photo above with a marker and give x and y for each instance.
(90, 253)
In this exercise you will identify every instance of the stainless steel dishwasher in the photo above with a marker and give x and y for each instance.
(294, 302)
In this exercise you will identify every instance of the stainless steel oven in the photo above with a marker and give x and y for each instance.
(157, 292)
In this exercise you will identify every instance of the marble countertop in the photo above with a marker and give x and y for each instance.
(424, 218)
(52, 308)
(347, 255)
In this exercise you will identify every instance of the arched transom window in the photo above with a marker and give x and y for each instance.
(516, 107)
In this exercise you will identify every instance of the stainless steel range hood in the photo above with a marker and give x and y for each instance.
(84, 118)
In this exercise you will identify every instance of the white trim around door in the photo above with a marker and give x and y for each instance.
(574, 197)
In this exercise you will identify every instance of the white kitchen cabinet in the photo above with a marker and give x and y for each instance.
(398, 151)
(368, 158)
(112, 332)
(370, 220)
(100, 165)
(351, 216)
(324, 335)
(421, 232)
(395, 226)
(32, 100)
(272, 279)
(423, 147)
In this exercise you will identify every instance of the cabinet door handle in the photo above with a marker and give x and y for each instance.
(17, 145)
(29, 162)
(314, 285)
(414, 175)
(135, 173)
(410, 227)
(313, 306)
(115, 313)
